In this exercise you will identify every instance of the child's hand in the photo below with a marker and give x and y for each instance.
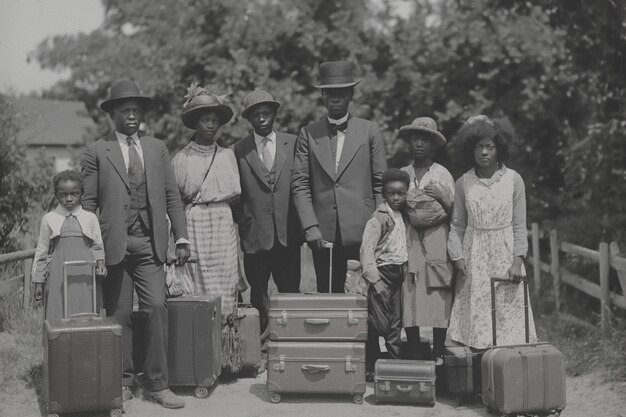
(101, 269)
(38, 293)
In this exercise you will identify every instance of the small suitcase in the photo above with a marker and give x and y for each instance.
(82, 359)
(195, 342)
(404, 381)
(316, 368)
(522, 379)
(250, 334)
(460, 373)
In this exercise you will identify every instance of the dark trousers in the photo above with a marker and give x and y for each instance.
(415, 348)
(385, 314)
(141, 269)
(283, 264)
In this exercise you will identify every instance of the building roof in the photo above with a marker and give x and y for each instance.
(51, 122)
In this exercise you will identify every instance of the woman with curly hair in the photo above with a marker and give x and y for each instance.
(488, 238)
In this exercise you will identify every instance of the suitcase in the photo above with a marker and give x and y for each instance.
(460, 372)
(194, 356)
(316, 368)
(522, 379)
(404, 381)
(250, 334)
(82, 359)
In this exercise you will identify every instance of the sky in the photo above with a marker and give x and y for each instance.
(24, 24)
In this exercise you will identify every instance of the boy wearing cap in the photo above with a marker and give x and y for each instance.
(268, 227)
(337, 177)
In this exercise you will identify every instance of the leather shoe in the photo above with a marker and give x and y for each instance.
(164, 397)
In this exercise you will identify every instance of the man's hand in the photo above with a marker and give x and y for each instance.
(39, 288)
(380, 287)
(313, 237)
(101, 269)
(182, 254)
(515, 271)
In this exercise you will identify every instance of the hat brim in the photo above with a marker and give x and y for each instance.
(190, 117)
(109, 105)
(246, 111)
(438, 136)
(345, 85)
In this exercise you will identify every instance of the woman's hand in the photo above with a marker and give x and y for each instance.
(39, 289)
(460, 266)
(515, 271)
(101, 269)
(438, 194)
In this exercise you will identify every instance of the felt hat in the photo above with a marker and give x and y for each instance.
(337, 74)
(258, 97)
(424, 125)
(199, 101)
(124, 90)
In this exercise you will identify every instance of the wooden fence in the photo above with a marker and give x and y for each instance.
(607, 256)
(12, 285)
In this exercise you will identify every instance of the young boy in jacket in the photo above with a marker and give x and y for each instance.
(384, 257)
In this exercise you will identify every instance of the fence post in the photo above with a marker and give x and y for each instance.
(28, 266)
(536, 256)
(605, 295)
(554, 269)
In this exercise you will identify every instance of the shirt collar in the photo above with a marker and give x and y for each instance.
(259, 139)
(63, 212)
(122, 137)
(338, 121)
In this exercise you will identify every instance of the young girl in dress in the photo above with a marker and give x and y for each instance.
(68, 233)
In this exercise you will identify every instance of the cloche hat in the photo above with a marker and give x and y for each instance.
(337, 74)
(200, 100)
(258, 97)
(124, 90)
(424, 125)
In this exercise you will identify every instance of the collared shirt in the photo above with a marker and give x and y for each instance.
(341, 136)
(271, 144)
(121, 139)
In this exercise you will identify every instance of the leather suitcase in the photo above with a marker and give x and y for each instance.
(82, 360)
(404, 381)
(316, 368)
(522, 379)
(195, 342)
(460, 373)
(250, 333)
(320, 317)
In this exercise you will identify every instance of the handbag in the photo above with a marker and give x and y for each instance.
(439, 273)
(178, 280)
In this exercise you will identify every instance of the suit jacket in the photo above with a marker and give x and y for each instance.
(263, 206)
(322, 196)
(107, 189)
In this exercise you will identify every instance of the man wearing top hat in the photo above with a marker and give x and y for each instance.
(337, 177)
(268, 224)
(128, 178)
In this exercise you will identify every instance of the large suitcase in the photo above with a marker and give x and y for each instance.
(195, 342)
(404, 381)
(82, 360)
(522, 379)
(316, 367)
(460, 373)
(250, 339)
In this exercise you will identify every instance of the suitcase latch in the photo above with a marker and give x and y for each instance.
(424, 387)
(282, 320)
(351, 319)
(384, 386)
(280, 366)
(349, 366)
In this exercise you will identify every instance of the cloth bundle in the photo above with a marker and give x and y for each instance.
(423, 210)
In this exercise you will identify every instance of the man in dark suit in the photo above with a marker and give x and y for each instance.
(130, 181)
(337, 178)
(268, 226)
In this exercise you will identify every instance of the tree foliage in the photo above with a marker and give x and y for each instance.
(555, 68)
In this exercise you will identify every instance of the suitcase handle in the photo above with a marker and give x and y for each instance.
(315, 369)
(329, 246)
(493, 281)
(93, 286)
(317, 321)
(402, 388)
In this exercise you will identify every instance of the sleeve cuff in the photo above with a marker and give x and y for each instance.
(182, 241)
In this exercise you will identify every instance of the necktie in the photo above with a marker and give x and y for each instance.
(135, 168)
(268, 159)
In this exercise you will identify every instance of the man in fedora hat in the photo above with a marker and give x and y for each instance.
(337, 178)
(130, 181)
(268, 224)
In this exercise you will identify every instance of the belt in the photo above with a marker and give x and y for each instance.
(490, 227)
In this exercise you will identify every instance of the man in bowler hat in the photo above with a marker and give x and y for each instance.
(268, 225)
(128, 178)
(337, 177)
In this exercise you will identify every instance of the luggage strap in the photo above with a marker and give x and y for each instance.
(526, 381)
(469, 376)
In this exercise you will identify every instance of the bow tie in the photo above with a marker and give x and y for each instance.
(340, 127)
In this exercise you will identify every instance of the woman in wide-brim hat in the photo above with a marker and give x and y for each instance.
(208, 180)
(427, 292)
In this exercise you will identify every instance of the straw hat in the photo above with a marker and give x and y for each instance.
(424, 125)
(199, 101)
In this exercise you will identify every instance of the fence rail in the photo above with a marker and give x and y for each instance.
(23, 280)
(607, 256)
